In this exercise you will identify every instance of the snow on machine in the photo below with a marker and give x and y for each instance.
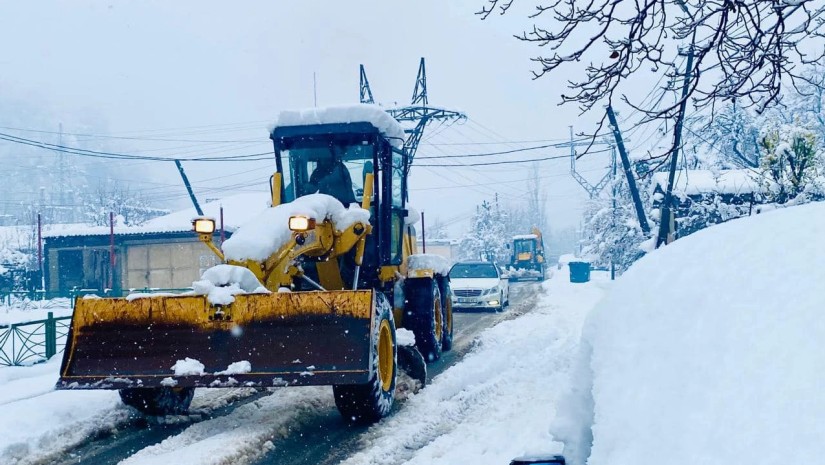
(309, 293)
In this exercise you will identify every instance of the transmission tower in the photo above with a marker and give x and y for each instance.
(418, 112)
(592, 190)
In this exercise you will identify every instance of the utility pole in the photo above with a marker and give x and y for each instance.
(613, 252)
(189, 188)
(631, 180)
(666, 216)
(314, 90)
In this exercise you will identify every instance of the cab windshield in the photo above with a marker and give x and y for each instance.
(475, 270)
(524, 246)
(333, 167)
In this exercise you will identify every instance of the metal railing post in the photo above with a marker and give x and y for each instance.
(51, 336)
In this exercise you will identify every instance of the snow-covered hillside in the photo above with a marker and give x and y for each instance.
(709, 351)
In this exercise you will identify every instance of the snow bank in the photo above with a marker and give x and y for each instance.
(269, 231)
(372, 114)
(428, 261)
(709, 351)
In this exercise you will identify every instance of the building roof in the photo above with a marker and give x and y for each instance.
(695, 182)
(237, 209)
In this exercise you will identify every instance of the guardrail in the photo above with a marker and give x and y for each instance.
(33, 341)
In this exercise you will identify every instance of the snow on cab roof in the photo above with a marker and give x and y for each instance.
(525, 236)
(695, 182)
(237, 209)
(359, 113)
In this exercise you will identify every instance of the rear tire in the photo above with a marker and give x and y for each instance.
(158, 401)
(425, 316)
(447, 318)
(370, 402)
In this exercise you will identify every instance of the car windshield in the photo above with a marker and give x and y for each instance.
(474, 270)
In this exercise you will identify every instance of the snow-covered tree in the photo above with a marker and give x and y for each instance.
(729, 140)
(612, 234)
(792, 161)
(110, 197)
(488, 236)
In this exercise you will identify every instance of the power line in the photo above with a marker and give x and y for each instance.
(123, 156)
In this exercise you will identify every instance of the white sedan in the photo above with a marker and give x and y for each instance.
(479, 285)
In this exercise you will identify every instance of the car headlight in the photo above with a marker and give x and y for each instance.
(492, 290)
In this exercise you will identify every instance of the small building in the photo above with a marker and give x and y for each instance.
(163, 253)
(446, 248)
(704, 197)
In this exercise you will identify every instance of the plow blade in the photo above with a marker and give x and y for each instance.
(260, 340)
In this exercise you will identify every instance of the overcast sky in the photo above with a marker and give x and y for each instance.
(152, 69)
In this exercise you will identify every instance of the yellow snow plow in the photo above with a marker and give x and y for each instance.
(309, 293)
(285, 338)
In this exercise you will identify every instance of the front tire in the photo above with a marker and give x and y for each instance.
(158, 401)
(370, 402)
(425, 316)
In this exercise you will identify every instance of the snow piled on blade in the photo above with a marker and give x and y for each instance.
(428, 261)
(237, 368)
(268, 232)
(188, 366)
(222, 282)
(709, 350)
(372, 114)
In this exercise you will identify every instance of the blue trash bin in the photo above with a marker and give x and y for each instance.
(579, 272)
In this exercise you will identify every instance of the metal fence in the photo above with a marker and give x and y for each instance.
(36, 341)
(33, 341)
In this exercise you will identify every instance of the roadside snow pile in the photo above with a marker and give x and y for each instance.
(269, 231)
(428, 261)
(372, 114)
(187, 367)
(708, 351)
(222, 282)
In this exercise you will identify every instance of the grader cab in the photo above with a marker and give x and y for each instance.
(310, 292)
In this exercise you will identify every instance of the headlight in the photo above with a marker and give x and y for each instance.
(492, 290)
(301, 223)
(203, 225)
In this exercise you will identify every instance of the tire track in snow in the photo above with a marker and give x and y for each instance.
(114, 434)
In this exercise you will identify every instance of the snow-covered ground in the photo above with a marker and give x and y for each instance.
(708, 351)
(494, 404)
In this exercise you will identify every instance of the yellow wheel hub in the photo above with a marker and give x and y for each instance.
(385, 358)
(439, 324)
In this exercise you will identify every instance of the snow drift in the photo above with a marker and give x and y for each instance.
(708, 351)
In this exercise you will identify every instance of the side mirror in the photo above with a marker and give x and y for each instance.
(508, 246)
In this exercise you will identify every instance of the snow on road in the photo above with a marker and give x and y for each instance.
(494, 404)
(242, 436)
(498, 401)
(38, 422)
